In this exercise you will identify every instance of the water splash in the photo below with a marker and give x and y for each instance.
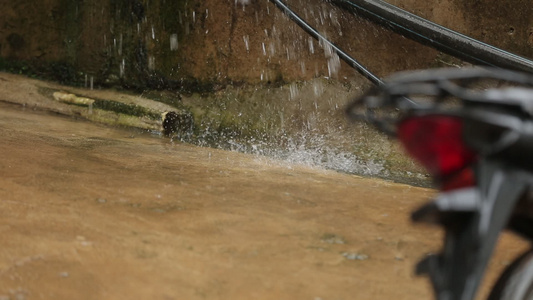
(315, 150)
(296, 140)
(298, 125)
(307, 148)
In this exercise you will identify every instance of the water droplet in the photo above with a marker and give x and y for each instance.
(122, 67)
(293, 91)
(151, 63)
(302, 67)
(174, 42)
(120, 45)
(246, 42)
(334, 65)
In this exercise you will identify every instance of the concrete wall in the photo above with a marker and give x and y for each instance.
(141, 42)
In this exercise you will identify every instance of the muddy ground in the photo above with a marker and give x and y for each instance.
(95, 212)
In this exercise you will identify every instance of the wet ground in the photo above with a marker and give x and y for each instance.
(93, 212)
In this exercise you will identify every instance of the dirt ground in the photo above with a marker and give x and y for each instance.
(93, 212)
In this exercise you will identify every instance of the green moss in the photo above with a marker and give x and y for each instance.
(112, 106)
(165, 96)
(58, 71)
(127, 109)
(190, 85)
(15, 66)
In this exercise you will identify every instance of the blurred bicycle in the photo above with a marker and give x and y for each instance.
(472, 129)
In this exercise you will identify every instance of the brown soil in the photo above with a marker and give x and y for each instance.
(91, 212)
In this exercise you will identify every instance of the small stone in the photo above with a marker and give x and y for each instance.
(63, 274)
(362, 257)
(355, 256)
(333, 239)
(101, 200)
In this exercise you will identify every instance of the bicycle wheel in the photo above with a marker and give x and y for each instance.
(516, 282)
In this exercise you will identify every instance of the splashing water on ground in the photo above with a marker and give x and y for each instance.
(306, 148)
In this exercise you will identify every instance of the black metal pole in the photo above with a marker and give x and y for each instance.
(315, 34)
(434, 35)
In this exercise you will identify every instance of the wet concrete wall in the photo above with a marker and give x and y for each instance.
(161, 43)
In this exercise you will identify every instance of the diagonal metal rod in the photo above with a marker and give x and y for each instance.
(315, 34)
(428, 33)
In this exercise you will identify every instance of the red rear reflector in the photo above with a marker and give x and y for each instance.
(436, 142)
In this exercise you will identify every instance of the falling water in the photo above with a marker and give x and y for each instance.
(246, 42)
(298, 139)
(122, 67)
(304, 128)
(151, 63)
(173, 42)
(120, 44)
